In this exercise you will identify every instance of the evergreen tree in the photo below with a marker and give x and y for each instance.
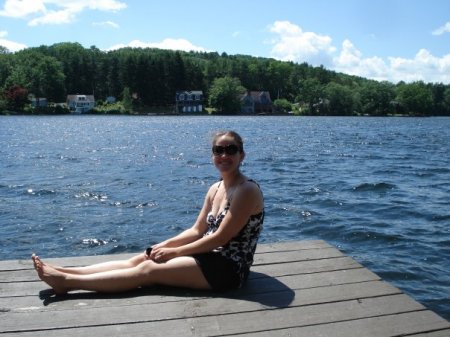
(127, 100)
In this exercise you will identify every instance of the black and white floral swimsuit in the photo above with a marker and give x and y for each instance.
(240, 249)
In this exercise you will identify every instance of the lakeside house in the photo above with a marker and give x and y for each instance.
(79, 104)
(39, 102)
(256, 102)
(189, 101)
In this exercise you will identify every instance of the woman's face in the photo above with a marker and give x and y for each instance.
(226, 154)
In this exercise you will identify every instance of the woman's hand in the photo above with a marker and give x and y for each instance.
(148, 252)
(163, 254)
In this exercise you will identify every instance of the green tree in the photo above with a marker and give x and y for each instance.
(5, 68)
(340, 99)
(3, 50)
(3, 105)
(225, 95)
(99, 66)
(376, 98)
(155, 75)
(40, 74)
(175, 74)
(127, 100)
(78, 67)
(282, 105)
(114, 86)
(415, 98)
(311, 93)
(279, 73)
(438, 92)
(447, 100)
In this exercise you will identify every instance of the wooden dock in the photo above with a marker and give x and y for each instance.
(305, 288)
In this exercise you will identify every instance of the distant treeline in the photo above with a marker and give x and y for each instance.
(153, 76)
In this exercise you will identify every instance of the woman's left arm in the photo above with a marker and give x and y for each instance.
(246, 201)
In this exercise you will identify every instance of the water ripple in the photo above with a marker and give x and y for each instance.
(374, 187)
(377, 188)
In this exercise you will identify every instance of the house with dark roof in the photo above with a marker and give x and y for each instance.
(189, 101)
(256, 102)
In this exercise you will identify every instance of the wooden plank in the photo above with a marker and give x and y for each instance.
(291, 256)
(363, 316)
(22, 264)
(205, 306)
(271, 257)
(275, 271)
(317, 316)
(294, 288)
(292, 245)
(254, 286)
(440, 333)
(264, 262)
(382, 326)
(307, 267)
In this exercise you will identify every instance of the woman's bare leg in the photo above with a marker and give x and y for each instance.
(181, 272)
(50, 276)
(101, 267)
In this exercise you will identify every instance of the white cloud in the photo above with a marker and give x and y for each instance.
(295, 45)
(8, 44)
(108, 24)
(441, 30)
(351, 61)
(103, 5)
(54, 18)
(171, 44)
(424, 66)
(292, 44)
(20, 9)
(39, 12)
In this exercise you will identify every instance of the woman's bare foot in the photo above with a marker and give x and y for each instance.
(52, 277)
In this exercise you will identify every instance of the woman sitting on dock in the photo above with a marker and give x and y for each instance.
(215, 253)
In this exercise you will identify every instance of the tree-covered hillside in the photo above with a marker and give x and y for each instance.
(153, 76)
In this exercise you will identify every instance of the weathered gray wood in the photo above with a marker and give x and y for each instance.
(31, 288)
(353, 318)
(83, 260)
(254, 286)
(382, 326)
(307, 267)
(296, 288)
(270, 257)
(440, 333)
(203, 306)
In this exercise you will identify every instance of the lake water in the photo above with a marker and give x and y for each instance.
(377, 188)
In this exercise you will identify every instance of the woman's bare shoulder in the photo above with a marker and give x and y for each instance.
(213, 189)
(249, 189)
(251, 186)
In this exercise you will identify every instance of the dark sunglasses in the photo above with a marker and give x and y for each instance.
(229, 150)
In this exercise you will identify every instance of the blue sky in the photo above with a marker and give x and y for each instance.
(390, 40)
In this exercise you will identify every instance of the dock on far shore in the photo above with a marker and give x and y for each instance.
(302, 288)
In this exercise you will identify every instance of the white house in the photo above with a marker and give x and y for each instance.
(79, 104)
